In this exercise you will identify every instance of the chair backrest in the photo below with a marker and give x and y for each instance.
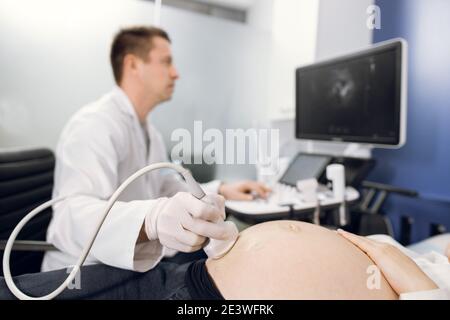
(26, 181)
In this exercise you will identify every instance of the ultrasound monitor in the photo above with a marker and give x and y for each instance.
(357, 98)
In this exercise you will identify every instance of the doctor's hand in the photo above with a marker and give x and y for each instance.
(183, 222)
(400, 271)
(244, 190)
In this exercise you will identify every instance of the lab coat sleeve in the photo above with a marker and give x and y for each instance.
(86, 166)
(437, 294)
(76, 219)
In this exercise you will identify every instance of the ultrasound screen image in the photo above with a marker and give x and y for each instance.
(353, 100)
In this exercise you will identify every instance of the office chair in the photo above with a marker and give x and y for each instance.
(26, 181)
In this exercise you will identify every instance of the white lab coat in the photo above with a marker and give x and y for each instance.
(101, 146)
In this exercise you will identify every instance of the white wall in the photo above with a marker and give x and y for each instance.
(259, 15)
(54, 59)
(294, 36)
(223, 67)
(342, 27)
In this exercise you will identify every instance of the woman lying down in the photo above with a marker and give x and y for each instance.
(273, 260)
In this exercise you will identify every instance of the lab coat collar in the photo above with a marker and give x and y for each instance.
(124, 102)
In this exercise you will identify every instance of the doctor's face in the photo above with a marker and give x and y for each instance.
(158, 73)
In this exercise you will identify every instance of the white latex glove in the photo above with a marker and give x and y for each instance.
(183, 222)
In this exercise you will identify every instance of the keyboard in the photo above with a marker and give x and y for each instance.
(283, 197)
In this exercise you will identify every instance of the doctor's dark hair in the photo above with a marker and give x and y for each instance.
(135, 40)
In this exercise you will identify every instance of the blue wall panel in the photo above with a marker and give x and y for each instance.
(423, 163)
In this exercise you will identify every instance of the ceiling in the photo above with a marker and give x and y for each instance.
(234, 4)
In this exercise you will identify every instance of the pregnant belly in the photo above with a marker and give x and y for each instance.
(296, 260)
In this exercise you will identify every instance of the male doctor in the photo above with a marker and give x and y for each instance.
(110, 139)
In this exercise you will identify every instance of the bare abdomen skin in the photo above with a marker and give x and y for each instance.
(296, 260)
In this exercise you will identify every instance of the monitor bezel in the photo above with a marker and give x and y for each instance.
(398, 44)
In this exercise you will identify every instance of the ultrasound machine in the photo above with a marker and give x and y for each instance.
(356, 100)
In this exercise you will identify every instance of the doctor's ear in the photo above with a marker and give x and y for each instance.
(131, 64)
